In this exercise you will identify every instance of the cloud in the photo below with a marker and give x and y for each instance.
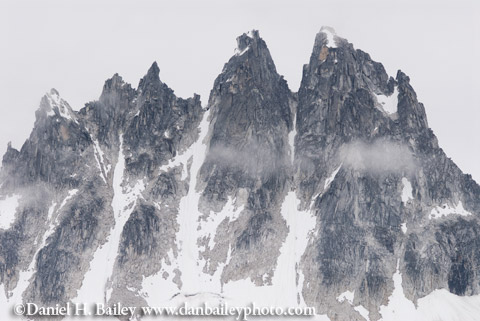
(380, 156)
(253, 159)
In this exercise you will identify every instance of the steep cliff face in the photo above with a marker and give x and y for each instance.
(371, 170)
(247, 163)
(336, 197)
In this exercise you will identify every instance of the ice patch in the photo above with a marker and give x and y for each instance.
(347, 295)
(445, 210)
(8, 208)
(388, 104)
(407, 190)
(96, 287)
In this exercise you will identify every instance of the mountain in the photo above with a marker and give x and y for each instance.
(336, 197)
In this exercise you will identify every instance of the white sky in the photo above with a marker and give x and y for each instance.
(74, 46)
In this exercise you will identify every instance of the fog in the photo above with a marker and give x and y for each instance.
(378, 157)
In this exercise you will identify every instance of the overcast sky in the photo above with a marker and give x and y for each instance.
(74, 46)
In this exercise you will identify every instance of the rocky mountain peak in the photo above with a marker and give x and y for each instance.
(114, 83)
(328, 37)
(53, 105)
(116, 92)
(151, 79)
(323, 198)
(250, 67)
(246, 41)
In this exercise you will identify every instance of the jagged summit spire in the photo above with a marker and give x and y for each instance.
(329, 37)
(152, 77)
(248, 40)
(154, 70)
(54, 92)
(245, 40)
(113, 84)
(52, 104)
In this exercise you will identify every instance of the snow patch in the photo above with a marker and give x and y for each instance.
(439, 305)
(71, 193)
(404, 228)
(407, 190)
(239, 52)
(291, 138)
(151, 284)
(300, 225)
(179, 160)
(60, 105)
(330, 179)
(347, 295)
(445, 210)
(208, 227)
(363, 311)
(98, 153)
(388, 104)
(7, 302)
(193, 279)
(399, 307)
(8, 208)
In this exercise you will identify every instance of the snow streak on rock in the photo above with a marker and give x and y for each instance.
(193, 279)
(406, 191)
(96, 285)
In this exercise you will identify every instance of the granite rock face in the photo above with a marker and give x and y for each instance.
(367, 168)
(318, 198)
(251, 110)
